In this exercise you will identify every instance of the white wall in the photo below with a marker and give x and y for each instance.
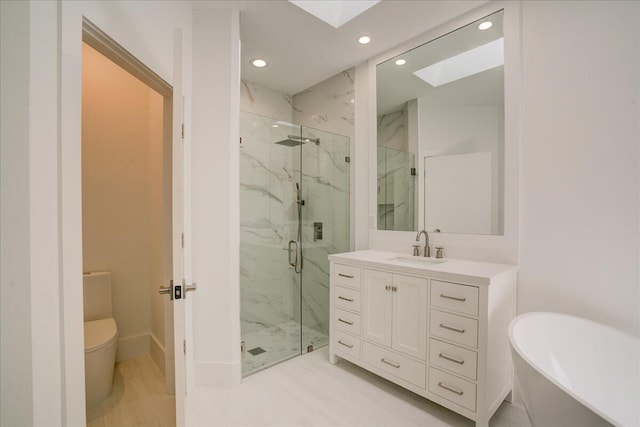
(50, 37)
(215, 202)
(16, 401)
(580, 180)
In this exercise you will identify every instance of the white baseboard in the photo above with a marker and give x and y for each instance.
(132, 346)
(158, 354)
(217, 374)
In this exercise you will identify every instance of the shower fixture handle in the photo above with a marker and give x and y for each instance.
(294, 263)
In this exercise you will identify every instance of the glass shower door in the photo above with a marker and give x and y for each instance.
(325, 227)
(269, 287)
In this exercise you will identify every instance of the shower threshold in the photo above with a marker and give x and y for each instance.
(280, 343)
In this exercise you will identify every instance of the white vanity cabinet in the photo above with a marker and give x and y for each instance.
(437, 329)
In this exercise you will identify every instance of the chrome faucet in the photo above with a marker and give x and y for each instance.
(427, 250)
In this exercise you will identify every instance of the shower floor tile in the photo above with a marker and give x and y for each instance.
(280, 342)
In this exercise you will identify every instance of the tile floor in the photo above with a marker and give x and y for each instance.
(139, 397)
(280, 342)
(309, 391)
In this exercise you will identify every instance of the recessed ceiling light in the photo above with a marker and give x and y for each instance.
(485, 25)
(364, 39)
(401, 61)
(259, 63)
(274, 126)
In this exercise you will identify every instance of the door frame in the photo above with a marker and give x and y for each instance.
(112, 50)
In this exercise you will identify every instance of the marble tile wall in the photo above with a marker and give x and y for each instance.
(393, 129)
(255, 98)
(267, 287)
(326, 111)
(396, 186)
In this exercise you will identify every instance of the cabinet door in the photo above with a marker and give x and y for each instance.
(376, 309)
(410, 315)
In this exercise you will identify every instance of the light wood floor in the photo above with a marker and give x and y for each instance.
(309, 391)
(139, 397)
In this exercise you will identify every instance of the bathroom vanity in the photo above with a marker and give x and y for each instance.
(437, 327)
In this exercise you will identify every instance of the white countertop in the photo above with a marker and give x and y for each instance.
(458, 270)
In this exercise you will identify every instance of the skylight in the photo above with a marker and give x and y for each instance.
(465, 64)
(333, 12)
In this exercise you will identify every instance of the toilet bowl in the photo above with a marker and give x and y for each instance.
(100, 340)
(100, 337)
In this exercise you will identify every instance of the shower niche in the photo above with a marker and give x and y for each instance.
(294, 212)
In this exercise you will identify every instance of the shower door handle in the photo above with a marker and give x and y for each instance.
(294, 264)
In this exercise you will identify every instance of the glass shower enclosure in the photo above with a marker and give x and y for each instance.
(294, 212)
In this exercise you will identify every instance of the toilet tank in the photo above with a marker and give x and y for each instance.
(97, 295)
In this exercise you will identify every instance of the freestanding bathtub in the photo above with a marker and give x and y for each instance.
(575, 372)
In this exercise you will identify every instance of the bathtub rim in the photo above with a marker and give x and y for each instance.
(571, 393)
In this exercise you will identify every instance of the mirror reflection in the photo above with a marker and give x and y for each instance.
(440, 123)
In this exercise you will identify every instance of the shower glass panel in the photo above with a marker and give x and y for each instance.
(325, 225)
(294, 211)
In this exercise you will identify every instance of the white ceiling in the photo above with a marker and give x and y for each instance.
(302, 50)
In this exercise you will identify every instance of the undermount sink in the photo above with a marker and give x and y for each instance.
(418, 260)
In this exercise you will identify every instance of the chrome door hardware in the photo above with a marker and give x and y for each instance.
(167, 290)
(189, 288)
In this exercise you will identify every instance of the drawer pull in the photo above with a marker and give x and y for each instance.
(452, 297)
(346, 299)
(395, 365)
(345, 344)
(345, 275)
(345, 321)
(451, 389)
(451, 358)
(452, 328)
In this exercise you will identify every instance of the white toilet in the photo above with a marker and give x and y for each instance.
(100, 337)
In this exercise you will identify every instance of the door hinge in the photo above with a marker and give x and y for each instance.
(184, 347)
(182, 131)
(182, 240)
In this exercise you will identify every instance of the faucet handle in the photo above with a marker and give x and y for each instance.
(416, 249)
(439, 251)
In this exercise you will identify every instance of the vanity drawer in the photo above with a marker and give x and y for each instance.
(454, 297)
(453, 358)
(453, 388)
(346, 344)
(346, 298)
(346, 321)
(346, 275)
(395, 364)
(452, 327)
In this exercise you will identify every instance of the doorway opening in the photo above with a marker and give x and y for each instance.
(127, 115)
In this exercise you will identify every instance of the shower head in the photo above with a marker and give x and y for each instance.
(295, 140)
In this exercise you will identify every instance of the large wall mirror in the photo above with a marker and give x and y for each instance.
(441, 133)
